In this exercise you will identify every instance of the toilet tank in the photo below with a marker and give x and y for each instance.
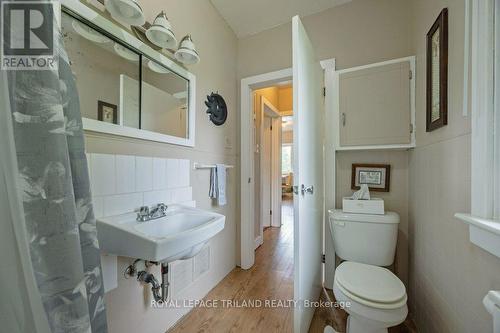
(365, 238)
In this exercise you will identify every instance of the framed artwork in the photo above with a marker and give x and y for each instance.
(437, 73)
(107, 112)
(376, 176)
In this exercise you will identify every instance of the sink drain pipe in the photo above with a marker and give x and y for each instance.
(149, 278)
(160, 292)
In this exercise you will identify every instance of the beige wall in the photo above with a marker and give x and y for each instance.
(127, 306)
(395, 200)
(357, 33)
(448, 275)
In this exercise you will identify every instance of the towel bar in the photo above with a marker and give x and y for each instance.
(197, 166)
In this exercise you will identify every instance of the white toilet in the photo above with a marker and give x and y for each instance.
(376, 296)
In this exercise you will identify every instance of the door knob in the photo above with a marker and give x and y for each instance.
(307, 189)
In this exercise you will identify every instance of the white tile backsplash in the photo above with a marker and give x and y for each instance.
(159, 173)
(125, 174)
(182, 194)
(201, 262)
(143, 173)
(172, 173)
(181, 276)
(183, 173)
(121, 183)
(155, 197)
(103, 174)
(122, 203)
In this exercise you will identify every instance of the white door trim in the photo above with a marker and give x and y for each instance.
(267, 109)
(247, 218)
(276, 172)
(331, 116)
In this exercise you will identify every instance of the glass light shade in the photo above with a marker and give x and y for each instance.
(157, 68)
(125, 53)
(89, 33)
(187, 53)
(127, 11)
(160, 33)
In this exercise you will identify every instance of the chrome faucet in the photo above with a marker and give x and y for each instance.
(145, 213)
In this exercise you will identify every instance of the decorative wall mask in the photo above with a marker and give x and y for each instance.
(217, 108)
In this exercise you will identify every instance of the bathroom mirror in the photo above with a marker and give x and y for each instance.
(125, 87)
(100, 67)
(164, 100)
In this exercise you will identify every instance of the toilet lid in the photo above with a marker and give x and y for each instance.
(371, 283)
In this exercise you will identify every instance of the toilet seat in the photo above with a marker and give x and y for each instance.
(370, 285)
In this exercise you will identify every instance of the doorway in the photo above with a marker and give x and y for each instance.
(271, 105)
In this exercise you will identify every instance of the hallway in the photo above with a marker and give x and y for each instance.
(270, 278)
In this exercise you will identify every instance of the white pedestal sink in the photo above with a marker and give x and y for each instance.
(180, 234)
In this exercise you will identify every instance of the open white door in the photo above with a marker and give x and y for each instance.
(308, 175)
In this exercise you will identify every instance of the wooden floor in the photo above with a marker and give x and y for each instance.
(271, 277)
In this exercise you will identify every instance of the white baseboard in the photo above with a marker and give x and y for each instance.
(258, 242)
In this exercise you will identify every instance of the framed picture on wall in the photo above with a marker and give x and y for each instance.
(437, 73)
(107, 112)
(376, 176)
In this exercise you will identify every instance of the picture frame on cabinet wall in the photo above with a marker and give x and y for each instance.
(437, 73)
(107, 112)
(376, 176)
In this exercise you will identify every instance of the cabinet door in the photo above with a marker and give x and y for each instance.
(374, 105)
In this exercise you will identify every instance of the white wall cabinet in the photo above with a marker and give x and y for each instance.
(375, 106)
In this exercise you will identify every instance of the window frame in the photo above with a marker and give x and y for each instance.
(484, 106)
(283, 145)
(484, 218)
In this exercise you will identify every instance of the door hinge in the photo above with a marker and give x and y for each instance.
(411, 128)
(271, 212)
(271, 127)
(324, 91)
(411, 74)
(323, 258)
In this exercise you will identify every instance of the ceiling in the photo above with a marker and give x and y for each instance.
(250, 17)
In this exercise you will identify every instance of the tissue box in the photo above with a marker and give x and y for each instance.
(372, 206)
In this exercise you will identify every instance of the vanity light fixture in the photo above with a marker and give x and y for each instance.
(160, 32)
(127, 11)
(186, 53)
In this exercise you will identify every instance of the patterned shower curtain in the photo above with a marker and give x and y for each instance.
(54, 187)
